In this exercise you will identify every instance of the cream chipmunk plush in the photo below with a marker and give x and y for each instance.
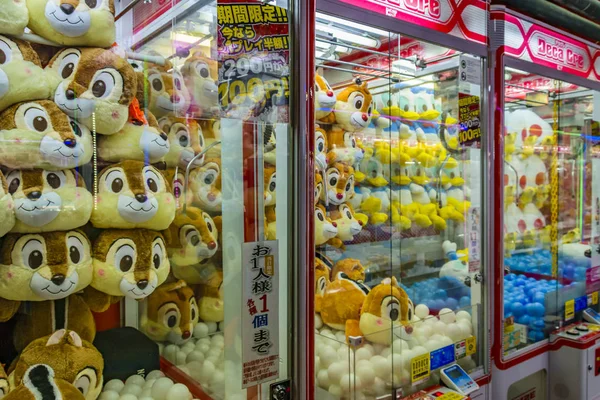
(47, 201)
(133, 195)
(205, 186)
(37, 134)
(7, 208)
(325, 228)
(200, 74)
(162, 91)
(324, 100)
(21, 75)
(94, 86)
(74, 23)
(186, 139)
(14, 17)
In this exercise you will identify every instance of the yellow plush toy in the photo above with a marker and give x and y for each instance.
(163, 93)
(343, 147)
(191, 240)
(324, 99)
(171, 313)
(270, 193)
(342, 301)
(322, 280)
(325, 229)
(47, 201)
(210, 298)
(94, 86)
(37, 134)
(347, 222)
(127, 263)
(211, 129)
(83, 23)
(39, 383)
(354, 106)
(73, 360)
(7, 208)
(141, 139)
(186, 141)
(351, 267)
(321, 148)
(21, 75)
(201, 76)
(133, 195)
(14, 17)
(205, 185)
(4, 388)
(339, 179)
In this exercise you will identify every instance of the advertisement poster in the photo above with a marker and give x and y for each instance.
(254, 51)
(469, 119)
(260, 324)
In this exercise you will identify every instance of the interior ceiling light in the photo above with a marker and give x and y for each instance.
(326, 46)
(341, 34)
(351, 24)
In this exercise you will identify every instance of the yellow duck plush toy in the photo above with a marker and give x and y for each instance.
(410, 209)
(419, 189)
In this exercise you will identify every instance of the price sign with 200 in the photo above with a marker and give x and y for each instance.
(244, 66)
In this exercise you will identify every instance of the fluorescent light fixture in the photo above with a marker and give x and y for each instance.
(351, 24)
(182, 37)
(322, 53)
(326, 46)
(340, 34)
(516, 71)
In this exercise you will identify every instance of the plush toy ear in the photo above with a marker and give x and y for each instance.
(8, 309)
(218, 220)
(75, 339)
(56, 337)
(170, 287)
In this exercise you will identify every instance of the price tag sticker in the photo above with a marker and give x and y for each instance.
(471, 345)
(570, 310)
(420, 368)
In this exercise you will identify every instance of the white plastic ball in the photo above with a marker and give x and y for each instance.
(317, 363)
(447, 316)
(425, 330)
(386, 352)
(454, 332)
(340, 337)
(116, 385)
(318, 321)
(154, 375)
(135, 380)
(432, 345)
(148, 384)
(378, 387)
(350, 382)
(396, 360)
(465, 329)
(407, 356)
(378, 348)
(327, 354)
(418, 351)
(109, 395)
(400, 345)
(180, 358)
(161, 388)
(178, 392)
(187, 350)
(335, 390)
(218, 380)
(462, 314)
(336, 370)
(170, 353)
(381, 366)
(365, 374)
(446, 341)
(131, 389)
(436, 337)
(323, 379)
(128, 396)
(212, 327)
(208, 370)
(364, 353)
(195, 356)
(421, 311)
(439, 328)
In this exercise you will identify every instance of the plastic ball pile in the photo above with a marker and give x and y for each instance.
(372, 369)
(155, 387)
(540, 262)
(524, 299)
(439, 293)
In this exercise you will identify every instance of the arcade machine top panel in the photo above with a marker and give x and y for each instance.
(398, 205)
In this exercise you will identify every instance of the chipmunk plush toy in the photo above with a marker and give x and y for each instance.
(347, 223)
(14, 17)
(211, 129)
(339, 184)
(270, 193)
(95, 87)
(73, 360)
(325, 229)
(351, 267)
(186, 141)
(38, 134)
(47, 201)
(39, 383)
(205, 185)
(21, 75)
(7, 208)
(80, 23)
(353, 107)
(141, 139)
(324, 100)
(322, 273)
(127, 263)
(342, 301)
(321, 148)
(201, 76)
(163, 93)
(171, 313)
(385, 313)
(191, 239)
(343, 147)
(133, 195)
(318, 186)
(211, 306)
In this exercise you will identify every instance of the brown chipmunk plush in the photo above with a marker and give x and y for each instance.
(89, 23)
(133, 195)
(201, 76)
(211, 129)
(171, 313)
(141, 139)
(4, 387)
(210, 298)
(39, 383)
(325, 229)
(186, 141)
(162, 91)
(270, 189)
(342, 301)
(127, 263)
(47, 201)
(38, 134)
(73, 360)
(176, 178)
(94, 86)
(191, 240)
(354, 107)
(7, 208)
(21, 75)
(339, 180)
(322, 280)
(351, 267)
(205, 186)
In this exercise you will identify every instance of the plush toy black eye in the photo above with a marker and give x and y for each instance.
(117, 185)
(156, 261)
(76, 129)
(316, 87)
(126, 263)
(209, 226)
(67, 70)
(348, 214)
(35, 259)
(424, 107)
(321, 147)
(53, 180)
(2, 57)
(157, 84)
(40, 124)
(152, 185)
(333, 181)
(172, 321)
(193, 314)
(204, 72)
(320, 216)
(74, 254)
(348, 185)
(91, 3)
(195, 240)
(14, 185)
(452, 175)
(272, 186)
(99, 88)
(210, 178)
(406, 108)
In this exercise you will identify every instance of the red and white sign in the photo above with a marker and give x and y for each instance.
(146, 12)
(535, 43)
(462, 18)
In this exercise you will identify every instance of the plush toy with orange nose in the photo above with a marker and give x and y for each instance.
(324, 100)
(343, 147)
(354, 106)
(163, 93)
(339, 184)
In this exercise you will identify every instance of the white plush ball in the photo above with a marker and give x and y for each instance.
(128, 396)
(364, 353)
(131, 389)
(116, 385)
(447, 316)
(462, 314)
(161, 388)
(421, 311)
(381, 366)
(178, 392)
(323, 379)
(155, 374)
(109, 395)
(212, 327)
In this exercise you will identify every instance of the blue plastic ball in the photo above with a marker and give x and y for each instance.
(439, 304)
(517, 309)
(452, 303)
(524, 319)
(440, 294)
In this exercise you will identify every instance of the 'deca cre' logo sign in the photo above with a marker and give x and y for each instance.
(429, 8)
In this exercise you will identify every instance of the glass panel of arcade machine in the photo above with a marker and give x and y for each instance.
(207, 118)
(397, 212)
(550, 241)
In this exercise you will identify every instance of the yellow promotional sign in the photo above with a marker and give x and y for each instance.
(570, 310)
(419, 368)
(471, 345)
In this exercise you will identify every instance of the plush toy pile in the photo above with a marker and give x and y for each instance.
(94, 202)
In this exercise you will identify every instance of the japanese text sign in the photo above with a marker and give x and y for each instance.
(260, 312)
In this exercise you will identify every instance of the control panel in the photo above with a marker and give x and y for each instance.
(457, 379)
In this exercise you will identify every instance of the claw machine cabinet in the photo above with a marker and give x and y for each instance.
(545, 209)
(400, 261)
